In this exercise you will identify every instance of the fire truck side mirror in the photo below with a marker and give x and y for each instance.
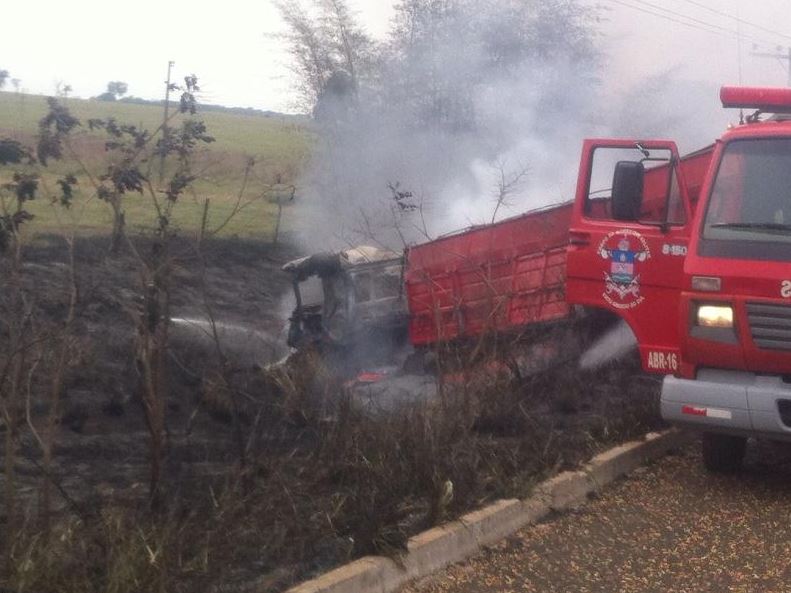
(627, 190)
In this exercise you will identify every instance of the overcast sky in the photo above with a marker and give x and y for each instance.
(86, 43)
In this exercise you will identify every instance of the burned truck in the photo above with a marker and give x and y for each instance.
(350, 303)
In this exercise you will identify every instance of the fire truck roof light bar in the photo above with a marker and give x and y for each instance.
(766, 99)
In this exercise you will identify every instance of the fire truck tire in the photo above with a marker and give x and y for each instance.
(723, 453)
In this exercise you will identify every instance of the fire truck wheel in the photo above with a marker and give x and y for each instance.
(723, 453)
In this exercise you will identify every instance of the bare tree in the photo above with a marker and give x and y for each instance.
(330, 52)
(507, 184)
(350, 43)
(312, 60)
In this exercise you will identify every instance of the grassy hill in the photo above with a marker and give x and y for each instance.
(279, 146)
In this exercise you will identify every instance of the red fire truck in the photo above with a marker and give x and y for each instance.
(733, 311)
(692, 252)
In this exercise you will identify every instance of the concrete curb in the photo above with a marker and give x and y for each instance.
(436, 548)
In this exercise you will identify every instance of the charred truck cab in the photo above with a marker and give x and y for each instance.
(349, 301)
(699, 264)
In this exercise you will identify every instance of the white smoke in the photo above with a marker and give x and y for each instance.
(487, 92)
(469, 123)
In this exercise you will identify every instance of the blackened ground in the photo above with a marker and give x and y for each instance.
(321, 481)
(102, 441)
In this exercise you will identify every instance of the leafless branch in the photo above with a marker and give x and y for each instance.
(507, 184)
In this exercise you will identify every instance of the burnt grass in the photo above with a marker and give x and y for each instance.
(272, 476)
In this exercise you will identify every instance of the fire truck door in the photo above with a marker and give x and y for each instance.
(628, 241)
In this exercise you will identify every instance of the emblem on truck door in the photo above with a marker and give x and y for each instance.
(625, 250)
(785, 289)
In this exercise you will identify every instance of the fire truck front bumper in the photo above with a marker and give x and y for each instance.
(732, 402)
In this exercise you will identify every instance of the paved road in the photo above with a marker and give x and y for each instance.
(669, 528)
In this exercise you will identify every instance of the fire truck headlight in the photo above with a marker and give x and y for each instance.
(715, 316)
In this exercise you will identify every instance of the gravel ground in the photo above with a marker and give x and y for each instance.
(668, 527)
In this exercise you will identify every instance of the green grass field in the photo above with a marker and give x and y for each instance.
(279, 146)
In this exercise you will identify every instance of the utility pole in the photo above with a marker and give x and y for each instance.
(779, 55)
(165, 130)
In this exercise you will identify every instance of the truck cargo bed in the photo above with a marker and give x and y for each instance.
(489, 278)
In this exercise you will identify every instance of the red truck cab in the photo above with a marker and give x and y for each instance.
(695, 254)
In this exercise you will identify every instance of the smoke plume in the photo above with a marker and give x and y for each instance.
(468, 112)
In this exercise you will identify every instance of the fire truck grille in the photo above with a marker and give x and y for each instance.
(770, 325)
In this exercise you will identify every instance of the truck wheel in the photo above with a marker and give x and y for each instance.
(723, 453)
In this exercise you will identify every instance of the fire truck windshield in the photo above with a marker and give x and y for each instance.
(751, 197)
